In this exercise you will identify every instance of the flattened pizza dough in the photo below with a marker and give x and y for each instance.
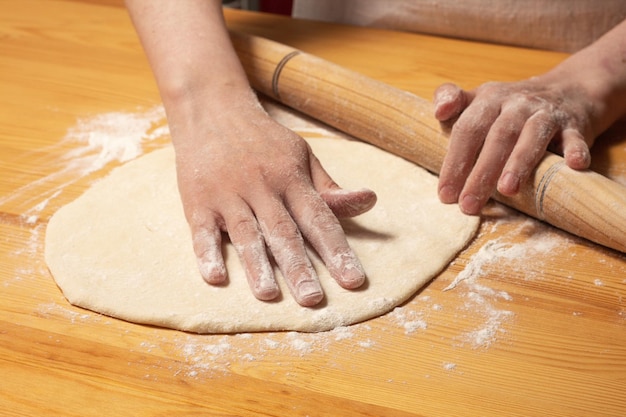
(124, 248)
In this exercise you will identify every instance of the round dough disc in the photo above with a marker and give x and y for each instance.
(124, 249)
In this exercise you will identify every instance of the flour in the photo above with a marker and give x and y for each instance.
(210, 356)
(115, 136)
(32, 216)
(499, 251)
(526, 256)
(449, 366)
(410, 320)
(47, 310)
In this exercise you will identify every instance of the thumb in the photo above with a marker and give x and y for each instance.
(343, 203)
(449, 101)
(349, 203)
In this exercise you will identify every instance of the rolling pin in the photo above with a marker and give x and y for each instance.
(583, 203)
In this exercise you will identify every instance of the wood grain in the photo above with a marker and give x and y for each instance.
(536, 329)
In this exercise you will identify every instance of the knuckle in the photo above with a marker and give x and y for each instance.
(493, 89)
(544, 130)
(324, 221)
(491, 86)
(466, 127)
(504, 137)
(298, 269)
(283, 228)
(481, 180)
(196, 217)
(244, 229)
(530, 102)
(318, 213)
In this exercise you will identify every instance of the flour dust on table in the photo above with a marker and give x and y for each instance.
(124, 248)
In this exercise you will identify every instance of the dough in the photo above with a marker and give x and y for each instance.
(124, 249)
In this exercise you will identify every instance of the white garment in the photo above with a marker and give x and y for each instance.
(560, 25)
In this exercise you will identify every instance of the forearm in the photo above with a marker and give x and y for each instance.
(600, 70)
(192, 58)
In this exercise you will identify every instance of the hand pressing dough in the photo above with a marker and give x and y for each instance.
(124, 249)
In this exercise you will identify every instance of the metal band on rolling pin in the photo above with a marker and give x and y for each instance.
(277, 71)
(543, 186)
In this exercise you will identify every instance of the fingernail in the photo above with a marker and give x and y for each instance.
(447, 194)
(266, 287)
(470, 204)
(267, 291)
(347, 270)
(352, 274)
(509, 184)
(212, 272)
(578, 160)
(309, 293)
(443, 96)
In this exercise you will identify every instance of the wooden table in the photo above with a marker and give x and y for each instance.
(536, 325)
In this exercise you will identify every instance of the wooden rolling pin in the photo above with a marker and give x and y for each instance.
(583, 203)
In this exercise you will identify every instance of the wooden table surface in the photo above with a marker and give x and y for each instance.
(536, 325)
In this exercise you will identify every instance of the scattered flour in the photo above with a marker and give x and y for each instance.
(116, 136)
(501, 251)
(410, 320)
(449, 366)
(527, 256)
(49, 309)
(210, 355)
(94, 143)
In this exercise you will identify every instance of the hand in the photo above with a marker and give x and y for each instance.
(238, 170)
(500, 132)
(244, 174)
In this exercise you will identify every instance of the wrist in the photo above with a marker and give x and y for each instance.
(591, 89)
(600, 71)
(192, 111)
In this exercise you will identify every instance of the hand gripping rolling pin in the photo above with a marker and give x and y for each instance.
(583, 203)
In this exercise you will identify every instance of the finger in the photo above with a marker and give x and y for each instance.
(537, 132)
(575, 149)
(343, 203)
(322, 229)
(466, 140)
(207, 245)
(287, 247)
(499, 144)
(349, 203)
(449, 101)
(248, 241)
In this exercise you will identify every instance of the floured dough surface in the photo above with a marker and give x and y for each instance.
(124, 248)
